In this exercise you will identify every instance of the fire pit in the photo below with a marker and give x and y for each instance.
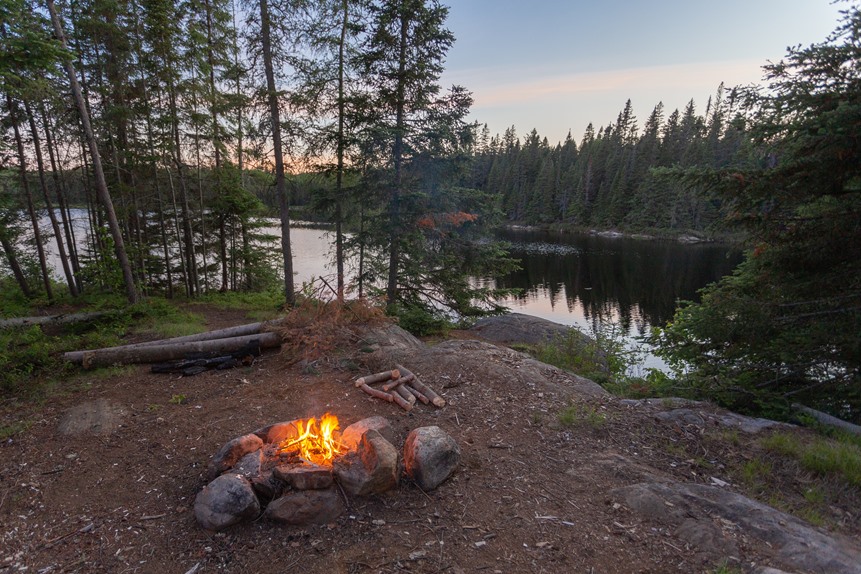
(305, 471)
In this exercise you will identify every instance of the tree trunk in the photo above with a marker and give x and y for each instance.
(339, 175)
(58, 236)
(101, 184)
(280, 183)
(172, 351)
(31, 209)
(9, 252)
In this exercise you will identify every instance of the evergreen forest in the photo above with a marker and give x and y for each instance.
(179, 125)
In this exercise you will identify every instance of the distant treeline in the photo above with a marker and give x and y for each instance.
(609, 179)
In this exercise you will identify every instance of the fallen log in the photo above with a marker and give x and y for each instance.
(437, 400)
(64, 319)
(168, 352)
(239, 331)
(828, 420)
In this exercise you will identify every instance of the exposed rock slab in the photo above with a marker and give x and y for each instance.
(699, 514)
(431, 455)
(701, 414)
(513, 328)
(94, 417)
(227, 500)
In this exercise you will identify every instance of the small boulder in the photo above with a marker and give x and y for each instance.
(430, 456)
(227, 500)
(301, 507)
(232, 452)
(352, 435)
(371, 468)
(305, 476)
(249, 465)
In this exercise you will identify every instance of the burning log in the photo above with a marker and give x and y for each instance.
(377, 378)
(428, 392)
(397, 382)
(403, 403)
(170, 351)
(375, 393)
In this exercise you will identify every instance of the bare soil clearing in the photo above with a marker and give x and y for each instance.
(530, 495)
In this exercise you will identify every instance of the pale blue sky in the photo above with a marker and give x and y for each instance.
(556, 65)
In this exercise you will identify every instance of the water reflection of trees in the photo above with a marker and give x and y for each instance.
(632, 283)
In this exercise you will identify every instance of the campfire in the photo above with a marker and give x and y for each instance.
(306, 471)
(315, 442)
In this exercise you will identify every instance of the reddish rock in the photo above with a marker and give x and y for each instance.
(306, 507)
(430, 456)
(371, 468)
(352, 435)
(305, 476)
(232, 452)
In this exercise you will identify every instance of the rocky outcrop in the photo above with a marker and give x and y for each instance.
(712, 520)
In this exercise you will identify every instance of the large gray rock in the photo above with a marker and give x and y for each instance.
(306, 507)
(227, 500)
(352, 435)
(692, 510)
(430, 456)
(371, 468)
(513, 328)
(305, 476)
(232, 452)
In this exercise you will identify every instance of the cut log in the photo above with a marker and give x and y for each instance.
(828, 420)
(437, 400)
(417, 394)
(399, 381)
(240, 331)
(169, 352)
(377, 378)
(403, 403)
(52, 319)
(377, 394)
(404, 394)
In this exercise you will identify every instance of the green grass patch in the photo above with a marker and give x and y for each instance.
(756, 472)
(162, 319)
(259, 306)
(838, 457)
(582, 415)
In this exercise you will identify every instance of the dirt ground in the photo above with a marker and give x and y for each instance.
(530, 494)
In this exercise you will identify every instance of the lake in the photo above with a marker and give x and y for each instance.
(579, 279)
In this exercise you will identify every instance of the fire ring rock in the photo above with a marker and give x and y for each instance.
(227, 500)
(232, 452)
(371, 468)
(306, 507)
(430, 456)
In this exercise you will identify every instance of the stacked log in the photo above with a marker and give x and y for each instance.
(401, 387)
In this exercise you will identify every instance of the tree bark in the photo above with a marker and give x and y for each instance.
(280, 183)
(101, 183)
(58, 236)
(171, 351)
(12, 259)
(339, 174)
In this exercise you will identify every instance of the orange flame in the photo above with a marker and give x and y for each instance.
(316, 442)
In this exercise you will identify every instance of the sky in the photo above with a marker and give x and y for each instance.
(556, 65)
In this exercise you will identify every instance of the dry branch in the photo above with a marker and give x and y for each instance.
(169, 351)
(437, 400)
(51, 319)
(377, 378)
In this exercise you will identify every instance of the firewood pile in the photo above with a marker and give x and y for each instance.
(399, 386)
